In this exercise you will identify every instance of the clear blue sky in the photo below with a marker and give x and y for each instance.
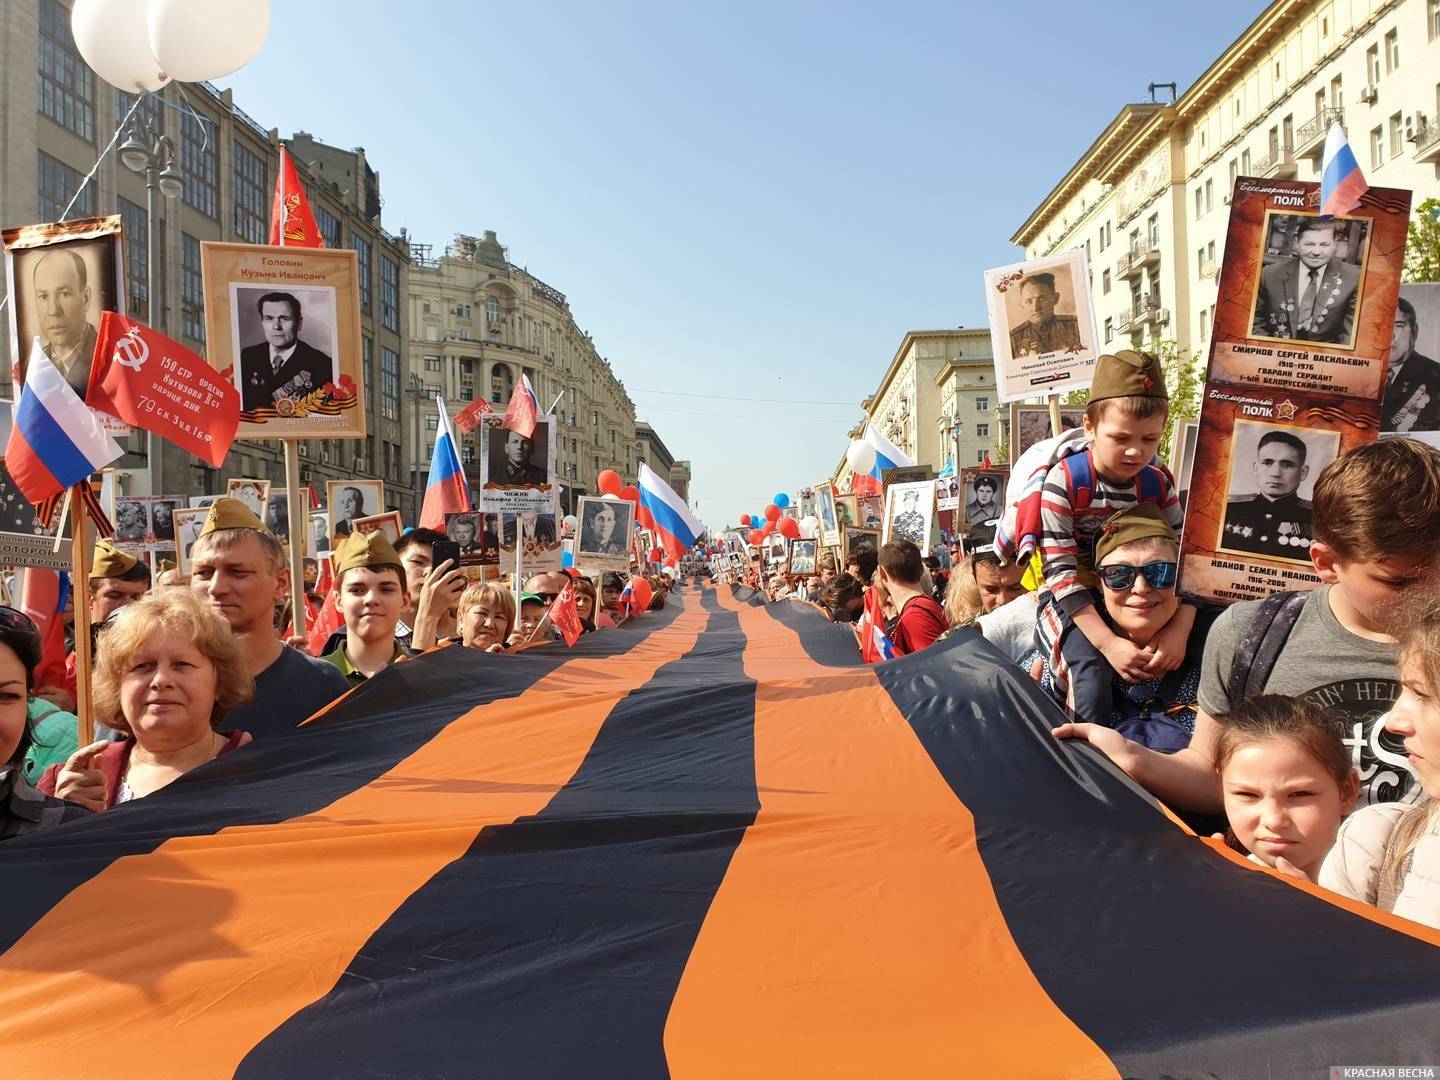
(750, 200)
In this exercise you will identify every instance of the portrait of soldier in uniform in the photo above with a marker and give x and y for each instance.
(515, 461)
(132, 521)
(605, 526)
(283, 367)
(982, 502)
(1310, 294)
(909, 523)
(1273, 520)
(1412, 388)
(1043, 331)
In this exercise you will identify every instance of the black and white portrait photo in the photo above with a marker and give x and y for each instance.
(288, 345)
(277, 511)
(1041, 311)
(318, 542)
(825, 511)
(1411, 405)
(162, 525)
(351, 499)
(802, 557)
(908, 512)
(1311, 279)
(187, 524)
(512, 460)
(60, 278)
(132, 522)
(538, 538)
(1030, 424)
(1272, 478)
(606, 526)
(858, 538)
(984, 494)
(255, 494)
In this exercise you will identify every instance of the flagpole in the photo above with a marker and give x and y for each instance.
(299, 614)
(80, 560)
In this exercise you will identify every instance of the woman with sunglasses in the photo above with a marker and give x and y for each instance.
(22, 808)
(1136, 557)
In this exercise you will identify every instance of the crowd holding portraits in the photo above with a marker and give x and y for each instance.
(538, 538)
(59, 279)
(1272, 475)
(1311, 279)
(145, 523)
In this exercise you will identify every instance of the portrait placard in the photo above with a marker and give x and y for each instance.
(1182, 455)
(858, 537)
(870, 511)
(277, 512)
(1030, 424)
(146, 523)
(318, 537)
(478, 536)
(188, 523)
(909, 511)
(825, 511)
(947, 493)
(803, 554)
(255, 494)
(388, 524)
(847, 510)
(1303, 330)
(538, 536)
(606, 526)
(906, 474)
(349, 500)
(983, 494)
(60, 276)
(1411, 405)
(23, 540)
(1042, 328)
(283, 325)
(517, 475)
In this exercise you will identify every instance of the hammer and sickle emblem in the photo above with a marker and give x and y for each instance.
(131, 350)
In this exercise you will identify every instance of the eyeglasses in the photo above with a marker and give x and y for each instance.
(1119, 577)
(15, 619)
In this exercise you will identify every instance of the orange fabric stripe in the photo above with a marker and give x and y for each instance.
(179, 962)
(857, 903)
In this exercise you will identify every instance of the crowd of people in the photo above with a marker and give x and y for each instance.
(1303, 729)
(188, 669)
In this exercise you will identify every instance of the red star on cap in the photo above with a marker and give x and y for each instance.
(1147, 382)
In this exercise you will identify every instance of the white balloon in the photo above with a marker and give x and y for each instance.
(110, 35)
(611, 496)
(860, 457)
(571, 521)
(197, 40)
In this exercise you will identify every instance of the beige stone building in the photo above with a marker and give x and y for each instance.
(56, 116)
(1147, 201)
(477, 323)
(937, 396)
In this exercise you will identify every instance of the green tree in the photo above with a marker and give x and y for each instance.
(1422, 246)
(1184, 378)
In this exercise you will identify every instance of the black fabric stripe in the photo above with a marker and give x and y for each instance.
(360, 739)
(555, 945)
(829, 644)
(1172, 959)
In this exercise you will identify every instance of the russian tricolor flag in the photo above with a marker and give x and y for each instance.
(524, 409)
(446, 491)
(56, 441)
(676, 527)
(887, 456)
(1342, 185)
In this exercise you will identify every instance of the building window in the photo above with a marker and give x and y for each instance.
(1245, 162)
(1200, 262)
(362, 267)
(432, 363)
(329, 226)
(467, 366)
(1397, 142)
(1432, 19)
(1337, 93)
(368, 356)
(58, 185)
(67, 85)
(1204, 325)
(468, 453)
(137, 253)
(467, 393)
(982, 404)
(1199, 203)
(1377, 148)
(982, 431)
(150, 112)
(1209, 195)
(1372, 64)
(192, 296)
(980, 456)
(197, 163)
(1109, 330)
(492, 309)
(1152, 227)
(1105, 282)
(389, 294)
(250, 210)
(1234, 172)
(389, 383)
(1210, 255)
(432, 423)
(1392, 51)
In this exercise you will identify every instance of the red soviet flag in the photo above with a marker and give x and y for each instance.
(291, 222)
(144, 378)
(565, 615)
(470, 417)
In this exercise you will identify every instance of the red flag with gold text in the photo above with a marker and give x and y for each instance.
(291, 222)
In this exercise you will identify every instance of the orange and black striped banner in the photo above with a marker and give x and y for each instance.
(710, 843)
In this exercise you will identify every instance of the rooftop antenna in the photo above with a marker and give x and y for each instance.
(1162, 86)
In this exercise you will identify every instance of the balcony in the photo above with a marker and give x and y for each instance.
(1147, 310)
(1427, 143)
(1279, 164)
(1142, 253)
(1310, 136)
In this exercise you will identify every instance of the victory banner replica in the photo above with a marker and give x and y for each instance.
(1298, 355)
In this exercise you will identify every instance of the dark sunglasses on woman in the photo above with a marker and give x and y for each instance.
(1119, 576)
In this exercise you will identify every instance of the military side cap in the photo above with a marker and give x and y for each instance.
(1144, 521)
(1128, 373)
(110, 562)
(365, 549)
(163, 565)
(231, 514)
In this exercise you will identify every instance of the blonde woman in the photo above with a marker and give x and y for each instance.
(962, 597)
(1388, 854)
(485, 614)
(167, 673)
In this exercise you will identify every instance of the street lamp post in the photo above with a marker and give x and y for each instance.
(147, 151)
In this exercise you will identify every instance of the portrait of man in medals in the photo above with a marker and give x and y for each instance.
(1272, 475)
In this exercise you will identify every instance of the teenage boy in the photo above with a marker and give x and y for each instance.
(371, 587)
(1371, 550)
(417, 559)
(239, 569)
(899, 578)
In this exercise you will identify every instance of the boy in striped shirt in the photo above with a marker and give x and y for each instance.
(1123, 422)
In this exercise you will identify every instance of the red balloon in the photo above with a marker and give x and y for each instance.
(745, 519)
(768, 529)
(630, 494)
(772, 513)
(789, 527)
(641, 592)
(609, 482)
(756, 537)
